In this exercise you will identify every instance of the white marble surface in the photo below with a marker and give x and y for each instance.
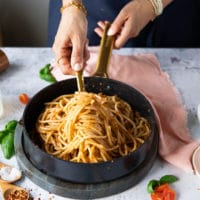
(183, 66)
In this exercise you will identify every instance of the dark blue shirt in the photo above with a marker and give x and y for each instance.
(178, 26)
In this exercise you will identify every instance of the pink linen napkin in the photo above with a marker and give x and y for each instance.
(143, 72)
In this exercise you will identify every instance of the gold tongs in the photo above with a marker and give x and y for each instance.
(80, 81)
(105, 52)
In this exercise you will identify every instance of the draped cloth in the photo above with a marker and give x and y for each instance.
(143, 72)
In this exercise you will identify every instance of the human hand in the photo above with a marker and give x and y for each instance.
(133, 17)
(70, 45)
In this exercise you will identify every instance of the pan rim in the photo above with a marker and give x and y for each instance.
(146, 146)
(153, 124)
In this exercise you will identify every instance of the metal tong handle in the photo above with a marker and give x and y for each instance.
(80, 81)
(105, 53)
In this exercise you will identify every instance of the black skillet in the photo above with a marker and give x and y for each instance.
(85, 172)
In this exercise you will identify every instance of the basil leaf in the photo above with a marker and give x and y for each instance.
(7, 145)
(168, 179)
(45, 74)
(151, 185)
(45, 69)
(3, 133)
(47, 77)
(11, 125)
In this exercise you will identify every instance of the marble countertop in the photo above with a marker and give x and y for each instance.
(183, 67)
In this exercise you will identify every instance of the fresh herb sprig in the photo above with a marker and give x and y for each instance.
(7, 139)
(164, 179)
(45, 74)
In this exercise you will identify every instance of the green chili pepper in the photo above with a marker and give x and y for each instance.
(3, 133)
(11, 125)
(45, 74)
(7, 145)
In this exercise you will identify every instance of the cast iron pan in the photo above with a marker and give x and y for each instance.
(83, 172)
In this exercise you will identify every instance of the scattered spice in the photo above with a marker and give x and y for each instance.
(18, 195)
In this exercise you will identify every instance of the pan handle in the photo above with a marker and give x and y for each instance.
(105, 53)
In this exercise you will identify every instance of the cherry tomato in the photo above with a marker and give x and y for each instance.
(24, 98)
(163, 192)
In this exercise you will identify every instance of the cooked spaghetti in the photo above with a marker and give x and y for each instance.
(88, 127)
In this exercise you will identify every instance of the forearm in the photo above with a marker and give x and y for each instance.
(71, 4)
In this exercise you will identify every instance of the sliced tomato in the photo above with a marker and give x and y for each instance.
(163, 192)
(24, 98)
